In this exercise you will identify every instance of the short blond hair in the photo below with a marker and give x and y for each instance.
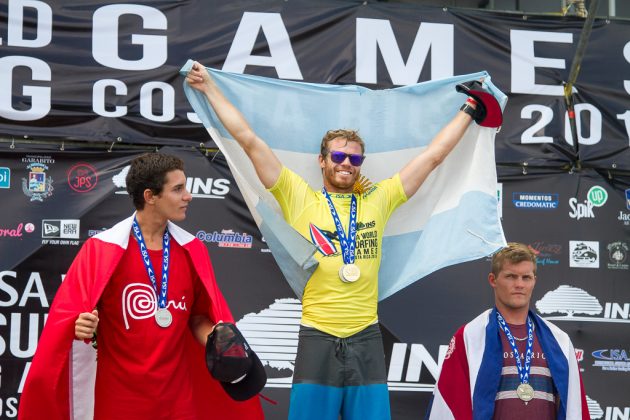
(513, 253)
(349, 135)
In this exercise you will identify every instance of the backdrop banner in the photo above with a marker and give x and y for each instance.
(90, 76)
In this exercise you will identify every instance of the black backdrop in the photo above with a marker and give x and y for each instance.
(79, 77)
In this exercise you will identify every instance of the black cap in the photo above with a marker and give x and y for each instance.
(232, 362)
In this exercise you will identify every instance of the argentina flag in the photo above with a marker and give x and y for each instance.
(452, 218)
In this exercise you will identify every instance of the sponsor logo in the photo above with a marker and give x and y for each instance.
(595, 197)
(546, 253)
(93, 232)
(535, 201)
(368, 225)
(625, 217)
(594, 409)
(616, 360)
(57, 232)
(82, 177)
(612, 413)
(262, 239)
(571, 301)
(198, 187)
(17, 231)
(38, 185)
(226, 238)
(579, 356)
(618, 255)
(5, 177)
(273, 335)
(584, 254)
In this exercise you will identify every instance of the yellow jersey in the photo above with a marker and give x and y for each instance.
(330, 304)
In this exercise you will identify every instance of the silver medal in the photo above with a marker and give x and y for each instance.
(163, 317)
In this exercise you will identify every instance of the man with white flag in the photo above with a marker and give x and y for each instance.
(340, 366)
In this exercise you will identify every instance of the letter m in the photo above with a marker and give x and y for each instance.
(373, 34)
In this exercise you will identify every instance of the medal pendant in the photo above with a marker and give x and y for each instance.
(163, 317)
(349, 273)
(525, 392)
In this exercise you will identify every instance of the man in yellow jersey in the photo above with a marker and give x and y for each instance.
(340, 365)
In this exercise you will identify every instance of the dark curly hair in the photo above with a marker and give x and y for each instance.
(149, 171)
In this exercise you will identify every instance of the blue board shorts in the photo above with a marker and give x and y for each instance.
(339, 376)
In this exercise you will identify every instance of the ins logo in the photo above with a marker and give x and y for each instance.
(273, 335)
(82, 177)
(572, 301)
(611, 413)
(198, 187)
(596, 197)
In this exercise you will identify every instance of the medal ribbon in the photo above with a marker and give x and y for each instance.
(523, 371)
(348, 243)
(166, 244)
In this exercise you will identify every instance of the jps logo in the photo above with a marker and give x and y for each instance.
(596, 197)
(5, 178)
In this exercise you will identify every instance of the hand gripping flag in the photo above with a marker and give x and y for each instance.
(453, 217)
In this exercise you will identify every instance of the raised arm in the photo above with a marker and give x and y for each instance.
(480, 106)
(416, 172)
(266, 163)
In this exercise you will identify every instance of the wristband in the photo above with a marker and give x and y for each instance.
(469, 110)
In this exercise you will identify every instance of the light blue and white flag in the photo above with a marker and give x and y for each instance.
(453, 217)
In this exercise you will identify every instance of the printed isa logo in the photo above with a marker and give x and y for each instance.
(5, 178)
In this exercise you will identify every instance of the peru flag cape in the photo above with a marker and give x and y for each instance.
(471, 372)
(60, 382)
(452, 218)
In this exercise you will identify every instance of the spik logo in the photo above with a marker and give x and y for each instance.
(596, 197)
(5, 177)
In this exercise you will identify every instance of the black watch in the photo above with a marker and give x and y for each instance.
(469, 110)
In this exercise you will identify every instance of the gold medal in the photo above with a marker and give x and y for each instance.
(349, 273)
(525, 392)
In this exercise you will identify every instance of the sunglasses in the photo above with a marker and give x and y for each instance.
(338, 157)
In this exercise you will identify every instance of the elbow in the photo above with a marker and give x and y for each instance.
(436, 160)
